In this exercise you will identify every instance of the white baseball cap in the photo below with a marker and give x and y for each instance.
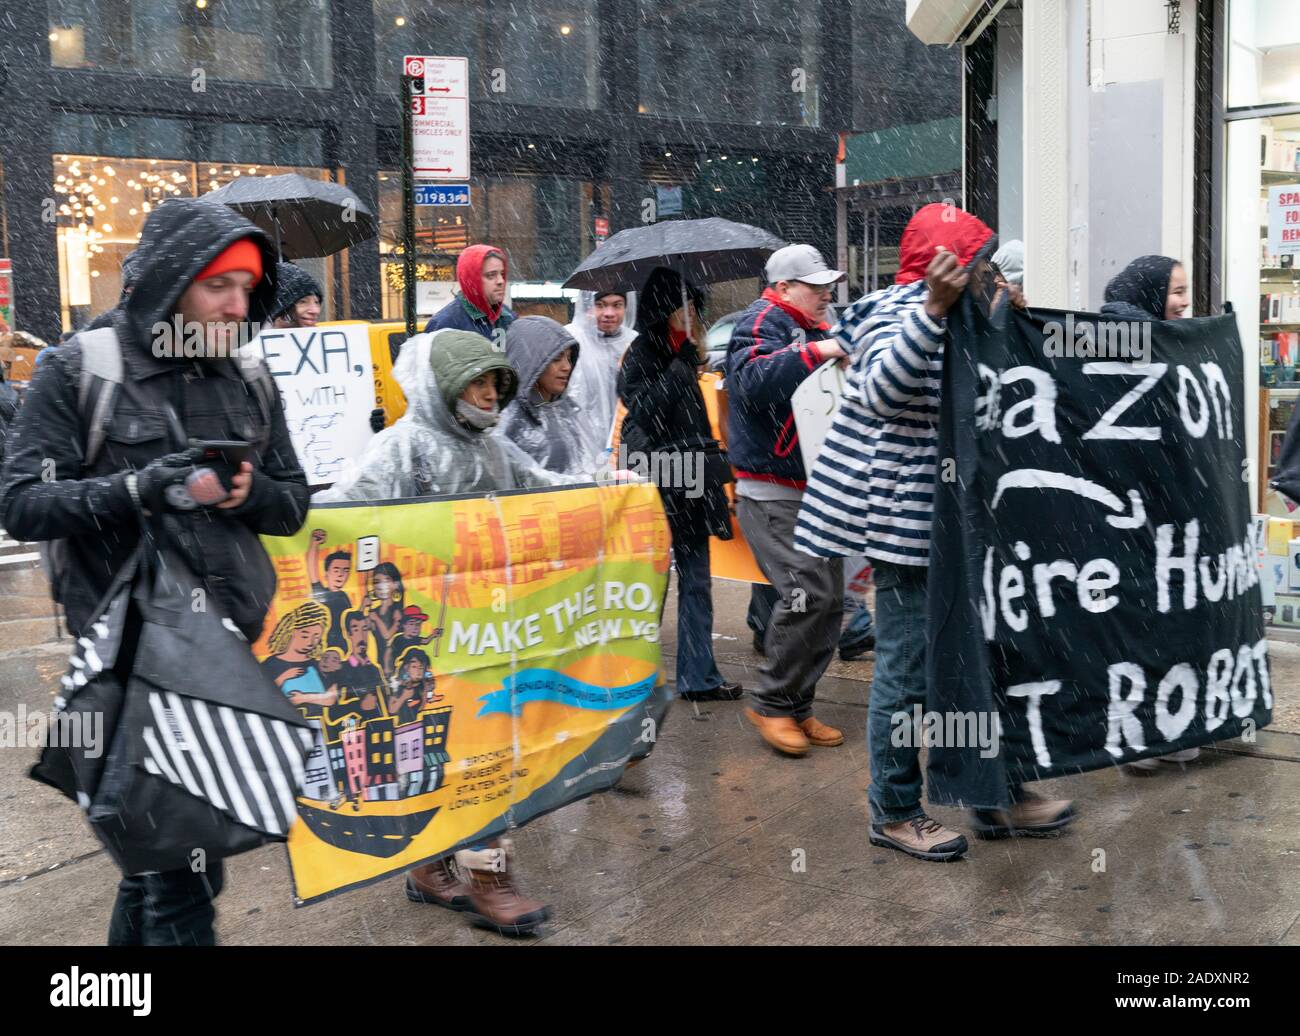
(800, 263)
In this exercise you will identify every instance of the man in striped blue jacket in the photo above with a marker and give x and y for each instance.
(872, 492)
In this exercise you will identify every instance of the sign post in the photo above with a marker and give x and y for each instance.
(411, 86)
(440, 111)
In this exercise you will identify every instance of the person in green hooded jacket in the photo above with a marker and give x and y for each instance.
(456, 385)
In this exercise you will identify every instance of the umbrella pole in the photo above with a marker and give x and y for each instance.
(686, 305)
(279, 252)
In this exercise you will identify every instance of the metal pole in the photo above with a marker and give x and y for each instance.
(875, 252)
(408, 206)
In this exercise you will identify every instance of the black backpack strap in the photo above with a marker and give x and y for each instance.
(257, 377)
(99, 378)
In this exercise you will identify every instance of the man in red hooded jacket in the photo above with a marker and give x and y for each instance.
(871, 492)
(481, 272)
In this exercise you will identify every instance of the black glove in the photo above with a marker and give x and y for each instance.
(165, 483)
(377, 419)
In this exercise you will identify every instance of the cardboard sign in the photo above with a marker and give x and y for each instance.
(815, 403)
(327, 383)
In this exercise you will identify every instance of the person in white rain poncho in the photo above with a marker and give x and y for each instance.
(456, 385)
(603, 328)
(442, 444)
(543, 420)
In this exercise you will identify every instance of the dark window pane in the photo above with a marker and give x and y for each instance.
(254, 41)
(520, 51)
(714, 59)
(82, 133)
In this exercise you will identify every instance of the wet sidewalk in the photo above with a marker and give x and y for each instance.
(716, 839)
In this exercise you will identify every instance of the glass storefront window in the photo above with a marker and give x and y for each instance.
(749, 63)
(1262, 153)
(105, 190)
(286, 42)
(520, 52)
(545, 224)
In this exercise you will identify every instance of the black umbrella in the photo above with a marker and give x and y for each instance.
(307, 218)
(703, 251)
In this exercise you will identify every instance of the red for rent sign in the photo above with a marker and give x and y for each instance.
(1284, 219)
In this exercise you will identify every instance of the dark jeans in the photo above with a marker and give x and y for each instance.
(696, 670)
(897, 684)
(763, 597)
(171, 908)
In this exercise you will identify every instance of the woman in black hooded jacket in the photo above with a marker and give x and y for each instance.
(667, 429)
(1151, 287)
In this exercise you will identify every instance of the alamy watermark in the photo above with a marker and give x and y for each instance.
(200, 340)
(55, 729)
(923, 729)
(676, 469)
(1097, 340)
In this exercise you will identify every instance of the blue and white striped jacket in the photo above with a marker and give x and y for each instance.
(871, 490)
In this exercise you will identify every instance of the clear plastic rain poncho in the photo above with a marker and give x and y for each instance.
(555, 434)
(427, 451)
(594, 385)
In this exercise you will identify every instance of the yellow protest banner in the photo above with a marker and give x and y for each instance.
(468, 664)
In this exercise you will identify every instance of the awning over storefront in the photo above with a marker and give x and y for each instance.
(947, 21)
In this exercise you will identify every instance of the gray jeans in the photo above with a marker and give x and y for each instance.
(805, 624)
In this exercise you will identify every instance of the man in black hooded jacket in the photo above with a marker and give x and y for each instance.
(207, 270)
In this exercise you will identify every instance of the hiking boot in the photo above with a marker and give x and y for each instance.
(821, 735)
(1033, 818)
(495, 902)
(729, 691)
(436, 883)
(781, 732)
(922, 837)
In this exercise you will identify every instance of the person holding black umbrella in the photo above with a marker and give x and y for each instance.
(297, 297)
(667, 431)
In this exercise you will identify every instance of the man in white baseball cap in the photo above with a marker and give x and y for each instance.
(778, 342)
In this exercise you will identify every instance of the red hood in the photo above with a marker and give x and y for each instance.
(469, 273)
(938, 224)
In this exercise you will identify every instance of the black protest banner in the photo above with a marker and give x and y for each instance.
(1093, 580)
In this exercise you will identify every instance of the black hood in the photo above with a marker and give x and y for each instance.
(1143, 284)
(292, 283)
(179, 239)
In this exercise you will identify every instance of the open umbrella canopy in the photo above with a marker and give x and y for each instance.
(703, 251)
(306, 218)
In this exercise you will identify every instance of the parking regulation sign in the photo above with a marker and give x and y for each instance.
(439, 116)
(441, 194)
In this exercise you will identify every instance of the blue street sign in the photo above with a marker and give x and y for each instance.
(442, 194)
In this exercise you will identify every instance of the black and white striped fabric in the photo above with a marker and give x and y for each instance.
(246, 765)
(871, 490)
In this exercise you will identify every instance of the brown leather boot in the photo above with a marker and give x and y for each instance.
(781, 732)
(821, 734)
(436, 883)
(495, 902)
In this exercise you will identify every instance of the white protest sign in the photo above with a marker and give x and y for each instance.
(440, 117)
(815, 403)
(1284, 219)
(325, 378)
